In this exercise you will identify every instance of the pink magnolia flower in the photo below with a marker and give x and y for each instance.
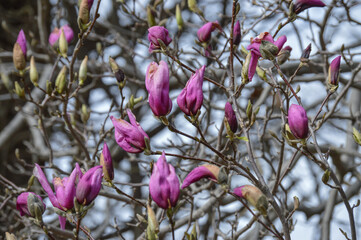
(89, 185)
(205, 171)
(254, 47)
(129, 136)
(301, 5)
(157, 84)
(191, 98)
(65, 189)
(107, 163)
(22, 203)
(298, 122)
(155, 33)
(230, 117)
(164, 184)
(205, 32)
(55, 34)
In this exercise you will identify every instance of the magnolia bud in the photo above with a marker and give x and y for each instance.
(60, 81)
(333, 74)
(254, 196)
(178, 17)
(153, 225)
(63, 45)
(245, 67)
(19, 52)
(36, 207)
(150, 15)
(83, 70)
(85, 113)
(306, 54)
(34, 76)
(19, 90)
(268, 50)
(49, 87)
(284, 54)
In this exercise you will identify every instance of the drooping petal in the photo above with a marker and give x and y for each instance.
(199, 173)
(252, 65)
(39, 174)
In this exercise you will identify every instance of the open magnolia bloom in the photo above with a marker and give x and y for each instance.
(129, 136)
(65, 189)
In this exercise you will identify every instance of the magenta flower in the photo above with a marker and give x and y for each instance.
(19, 51)
(55, 34)
(255, 51)
(155, 33)
(191, 98)
(157, 84)
(107, 163)
(236, 33)
(205, 32)
(63, 198)
(254, 196)
(129, 136)
(22, 203)
(89, 185)
(230, 117)
(205, 171)
(298, 122)
(334, 70)
(164, 184)
(21, 40)
(301, 5)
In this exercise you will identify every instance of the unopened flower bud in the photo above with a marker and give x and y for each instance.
(254, 196)
(153, 225)
(84, 14)
(85, 114)
(268, 50)
(157, 84)
(89, 185)
(19, 52)
(230, 116)
(298, 122)
(245, 68)
(36, 206)
(284, 55)
(178, 17)
(204, 171)
(83, 70)
(55, 35)
(28, 203)
(150, 17)
(63, 45)
(306, 53)
(107, 163)
(204, 33)
(19, 90)
(49, 87)
(113, 65)
(164, 184)
(34, 76)
(236, 33)
(60, 82)
(191, 98)
(333, 74)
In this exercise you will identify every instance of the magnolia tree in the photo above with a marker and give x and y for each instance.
(180, 119)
